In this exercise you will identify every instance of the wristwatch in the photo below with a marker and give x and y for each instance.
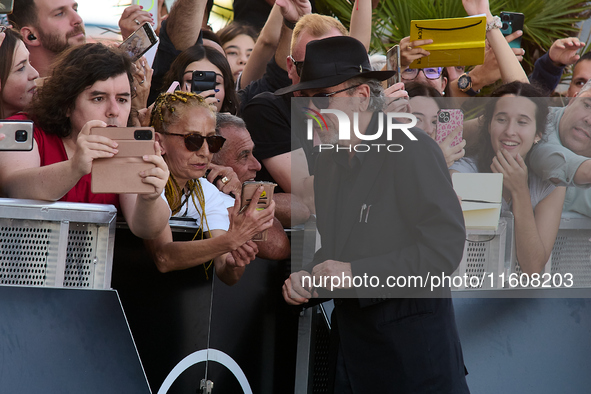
(465, 85)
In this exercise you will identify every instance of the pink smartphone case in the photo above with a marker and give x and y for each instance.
(447, 121)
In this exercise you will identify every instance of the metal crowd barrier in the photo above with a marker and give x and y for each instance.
(56, 244)
(489, 252)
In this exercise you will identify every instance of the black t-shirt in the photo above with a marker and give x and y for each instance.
(252, 12)
(274, 78)
(165, 55)
(268, 119)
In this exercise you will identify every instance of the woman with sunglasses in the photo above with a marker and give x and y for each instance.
(185, 124)
(17, 76)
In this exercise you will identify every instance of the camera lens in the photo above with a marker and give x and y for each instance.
(505, 26)
(142, 135)
(20, 135)
(444, 117)
(505, 17)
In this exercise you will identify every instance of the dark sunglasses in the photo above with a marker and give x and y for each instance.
(322, 100)
(194, 141)
(430, 73)
(298, 65)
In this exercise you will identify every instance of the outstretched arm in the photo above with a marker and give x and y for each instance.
(21, 174)
(171, 256)
(360, 27)
(184, 22)
(509, 66)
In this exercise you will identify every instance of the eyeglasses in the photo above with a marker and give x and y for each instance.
(298, 65)
(430, 73)
(322, 100)
(194, 141)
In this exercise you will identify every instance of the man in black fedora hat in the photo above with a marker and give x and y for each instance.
(388, 219)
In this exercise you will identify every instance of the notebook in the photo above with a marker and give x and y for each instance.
(456, 41)
(481, 199)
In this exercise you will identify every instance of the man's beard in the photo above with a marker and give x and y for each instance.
(55, 43)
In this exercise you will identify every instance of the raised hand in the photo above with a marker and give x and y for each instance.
(157, 176)
(564, 51)
(411, 51)
(132, 18)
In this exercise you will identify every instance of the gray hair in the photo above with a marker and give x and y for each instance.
(376, 92)
(224, 119)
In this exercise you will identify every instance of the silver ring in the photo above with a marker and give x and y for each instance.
(142, 81)
(136, 22)
(225, 180)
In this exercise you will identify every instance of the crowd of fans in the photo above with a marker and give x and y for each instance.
(209, 142)
(49, 75)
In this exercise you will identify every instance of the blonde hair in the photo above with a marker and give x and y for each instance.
(316, 25)
(169, 108)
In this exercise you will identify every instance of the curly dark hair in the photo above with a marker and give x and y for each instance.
(74, 70)
(200, 52)
(7, 51)
(483, 151)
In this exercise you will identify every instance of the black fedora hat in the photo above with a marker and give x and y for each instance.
(332, 61)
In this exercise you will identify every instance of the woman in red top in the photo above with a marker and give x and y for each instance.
(91, 86)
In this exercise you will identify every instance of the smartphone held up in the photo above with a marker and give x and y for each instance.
(202, 81)
(249, 188)
(18, 135)
(139, 42)
(120, 173)
(448, 120)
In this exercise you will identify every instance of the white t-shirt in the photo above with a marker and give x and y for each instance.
(216, 207)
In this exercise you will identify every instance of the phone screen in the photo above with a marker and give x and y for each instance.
(139, 42)
(393, 63)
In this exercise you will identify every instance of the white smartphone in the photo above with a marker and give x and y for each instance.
(150, 6)
(18, 135)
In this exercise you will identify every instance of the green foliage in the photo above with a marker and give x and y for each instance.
(545, 20)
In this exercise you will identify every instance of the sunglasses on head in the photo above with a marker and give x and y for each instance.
(430, 73)
(194, 141)
(298, 65)
(322, 100)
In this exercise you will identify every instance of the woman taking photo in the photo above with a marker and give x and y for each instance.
(185, 124)
(204, 58)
